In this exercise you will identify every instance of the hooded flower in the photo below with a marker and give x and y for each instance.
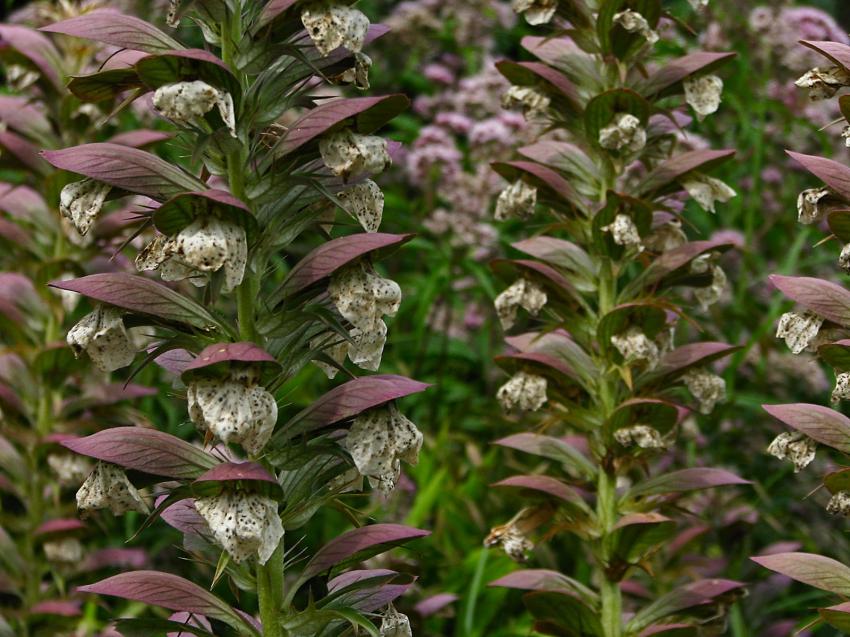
(710, 294)
(530, 100)
(185, 103)
(379, 439)
(102, 335)
(624, 232)
(706, 190)
(523, 390)
(234, 409)
(333, 25)
(364, 202)
(243, 524)
(517, 200)
(67, 550)
(796, 447)
(206, 245)
(643, 436)
(81, 202)
(634, 22)
(347, 153)
(521, 293)
(823, 83)
(395, 624)
(623, 133)
(839, 504)
(798, 329)
(703, 94)
(709, 389)
(841, 391)
(807, 205)
(107, 487)
(535, 11)
(636, 347)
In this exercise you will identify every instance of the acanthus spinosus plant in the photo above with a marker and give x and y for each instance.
(598, 296)
(820, 323)
(269, 155)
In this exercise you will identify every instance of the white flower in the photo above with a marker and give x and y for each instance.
(358, 75)
(379, 439)
(243, 524)
(807, 205)
(171, 18)
(844, 258)
(535, 11)
(67, 550)
(206, 245)
(841, 391)
(395, 624)
(185, 103)
(523, 390)
(624, 232)
(709, 389)
(636, 347)
(332, 25)
(20, 77)
(82, 201)
(643, 436)
(698, 4)
(845, 135)
(823, 83)
(107, 487)
(512, 536)
(796, 447)
(798, 329)
(634, 22)
(710, 294)
(347, 153)
(102, 335)
(706, 190)
(69, 467)
(530, 100)
(623, 133)
(521, 293)
(235, 409)
(517, 200)
(839, 504)
(668, 236)
(703, 94)
(364, 202)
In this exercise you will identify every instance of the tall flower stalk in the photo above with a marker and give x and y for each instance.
(600, 293)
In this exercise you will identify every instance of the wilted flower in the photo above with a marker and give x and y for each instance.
(67, 550)
(244, 524)
(706, 190)
(703, 94)
(333, 25)
(395, 624)
(796, 447)
(102, 335)
(523, 390)
(379, 439)
(234, 409)
(107, 487)
(364, 202)
(513, 536)
(798, 329)
(634, 22)
(841, 391)
(636, 347)
(643, 436)
(839, 504)
(823, 84)
(206, 245)
(624, 232)
(623, 133)
(185, 103)
(347, 153)
(807, 205)
(530, 100)
(68, 467)
(82, 201)
(708, 388)
(517, 200)
(521, 293)
(535, 11)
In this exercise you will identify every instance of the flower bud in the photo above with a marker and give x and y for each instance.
(643, 436)
(243, 524)
(185, 103)
(82, 201)
(703, 94)
(798, 329)
(517, 200)
(796, 447)
(107, 487)
(623, 133)
(535, 11)
(347, 153)
(636, 347)
(523, 390)
(102, 335)
(634, 22)
(709, 389)
(332, 25)
(706, 190)
(624, 232)
(521, 293)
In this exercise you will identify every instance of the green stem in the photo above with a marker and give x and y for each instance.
(270, 591)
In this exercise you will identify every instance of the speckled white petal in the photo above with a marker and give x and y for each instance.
(517, 200)
(703, 94)
(839, 504)
(798, 329)
(841, 391)
(202, 245)
(367, 345)
(623, 133)
(634, 22)
(347, 153)
(331, 25)
(184, 103)
(364, 202)
(823, 83)
(69, 467)
(708, 388)
(794, 446)
(707, 190)
(521, 293)
(643, 436)
(636, 347)
(154, 254)
(361, 296)
(531, 101)
(523, 390)
(808, 210)
(82, 201)
(102, 335)
(358, 75)
(624, 232)
(333, 346)
(245, 525)
(107, 487)
(536, 12)
(67, 550)
(237, 255)
(395, 624)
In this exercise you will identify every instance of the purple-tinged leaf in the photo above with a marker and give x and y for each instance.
(174, 360)
(350, 578)
(359, 544)
(558, 252)
(231, 471)
(671, 260)
(556, 449)
(662, 414)
(815, 570)
(23, 151)
(546, 364)
(543, 484)
(9, 399)
(111, 393)
(836, 51)
(538, 579)
(117, 29)
(697, 593)
(35, 47)
(13, 233)
(21, 115)
(59, 526)
(220, 355)
(147, 450)
(114, 558)
(540, 176)
(105, 84)
(186, 64)
(367, 590)
(348, 400)
(837, 616)
(332, 255)
(364, 114)
(171, 592)
(126, 168)
(558, 345)
(663, 177)
(544, 274)
(273, 10)
(632, 519)
(139, 138)
(825, 298)
(535, 73)
(668, 76)
(691, 355)
(685, 480)
(181, 210)
(434, 604)
(823, 424)
(834, 174)
(140, 295)
(183, 516)
(60, 607)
